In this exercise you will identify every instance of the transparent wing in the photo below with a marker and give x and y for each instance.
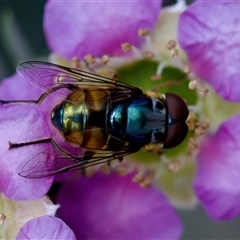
(62, 157)
(50, 161)
(47, 75)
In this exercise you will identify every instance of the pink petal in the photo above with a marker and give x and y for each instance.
(46, 227)
(18, 88)
(21, 123)
(208, 32)
(108, 207)
(78, 28)
(218, 172)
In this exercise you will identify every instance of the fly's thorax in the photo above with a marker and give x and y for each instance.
(139, 120)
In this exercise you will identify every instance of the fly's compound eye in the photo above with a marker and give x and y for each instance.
(177, 128)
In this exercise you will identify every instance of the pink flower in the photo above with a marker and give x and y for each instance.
(46, 227)
(142, 213)
(21, 123)
(208, 32)
(219, 170)
(97, 27)
(111, 206)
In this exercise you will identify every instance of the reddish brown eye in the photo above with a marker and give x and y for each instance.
(177, 115)
(175, 134)
(177, 108)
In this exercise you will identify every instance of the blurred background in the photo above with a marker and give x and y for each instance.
(22, 38)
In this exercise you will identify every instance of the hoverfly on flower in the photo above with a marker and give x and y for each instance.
(99, 118)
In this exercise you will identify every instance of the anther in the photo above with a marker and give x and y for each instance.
(191, 121)
(75, 62)
(174, 53)
(121, 171)
(148, 55)
(2, 218)
(187, 69)
(204, 124)
(156, 77)
(192, 145)
(126, 47)
(105, 169)
(171, 44)
(105, 59)
(189, 156)
(90, 59)
(192, 85)
(143, 32)
(138, 177)
(199, 131)
(174, 166)
(89, 172)
(203, 91)
(146, 183)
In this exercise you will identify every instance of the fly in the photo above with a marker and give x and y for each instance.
(100, 119)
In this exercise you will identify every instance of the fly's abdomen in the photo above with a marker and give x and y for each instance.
(70, 119)
(81, 118)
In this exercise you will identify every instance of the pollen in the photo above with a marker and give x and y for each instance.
(174, 53)
(201, 128)
(171, 44)
(146, 183)
(90, 59)
(122, 171)
(126, 47)
(106, 169)
(148, 54)
(139, 177)
(143, 32)
(192, 145)
(156, 77)
(199, 131)
(145, 179)
(192, 85)
(187, 69)
(105, 59)
(154, 95)
(203, 91)
(89, 172)
(189, 156)
(76, 63)
(174, 166)
(191, 121)
(2, 218)
(205, 124)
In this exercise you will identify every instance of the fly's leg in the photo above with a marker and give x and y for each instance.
(39, 141)
(42, 97)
